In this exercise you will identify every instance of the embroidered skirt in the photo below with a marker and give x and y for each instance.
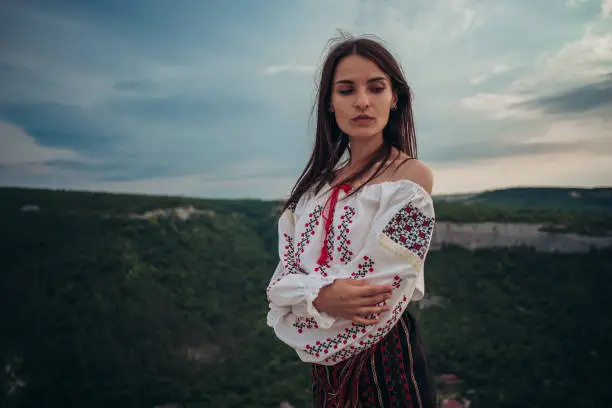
(394, 373)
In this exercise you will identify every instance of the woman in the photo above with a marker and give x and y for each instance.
(353, 237)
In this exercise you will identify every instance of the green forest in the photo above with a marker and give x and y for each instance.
(101, 308)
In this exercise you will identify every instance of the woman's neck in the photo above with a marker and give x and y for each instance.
(362, 150)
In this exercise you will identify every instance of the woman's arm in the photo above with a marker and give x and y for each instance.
(393, 256)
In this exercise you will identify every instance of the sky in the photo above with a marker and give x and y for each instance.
(213, 99)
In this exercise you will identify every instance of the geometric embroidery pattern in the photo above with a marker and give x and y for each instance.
(289, 256)
(330, 244)
(290, 264)
(302, 323)
(411, 229)
(322, 269)
(365, 267)
(321, 348)
(396, 282)
(343, 231)
(309, 231)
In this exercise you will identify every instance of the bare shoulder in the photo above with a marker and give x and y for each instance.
(416, 171)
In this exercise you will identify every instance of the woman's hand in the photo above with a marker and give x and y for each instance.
(353, 299)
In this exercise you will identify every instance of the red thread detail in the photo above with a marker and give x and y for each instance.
(331, 202)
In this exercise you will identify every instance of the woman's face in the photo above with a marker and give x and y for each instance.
(361, 97)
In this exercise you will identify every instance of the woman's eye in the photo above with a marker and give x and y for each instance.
(345, 91)
(378, 89)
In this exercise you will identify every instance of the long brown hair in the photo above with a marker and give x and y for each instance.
(331, 143)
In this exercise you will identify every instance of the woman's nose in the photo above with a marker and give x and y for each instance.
(362, 100)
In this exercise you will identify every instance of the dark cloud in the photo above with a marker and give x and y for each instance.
(140, 137)
(503, 149)
(189, 109)
(580, 99)
(138, 85)
(489, 150)
(122, 168)
(62, 125)
(162, 30)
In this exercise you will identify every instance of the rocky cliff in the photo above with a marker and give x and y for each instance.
(491, 234)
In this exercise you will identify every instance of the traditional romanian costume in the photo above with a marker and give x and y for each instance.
(382, 234)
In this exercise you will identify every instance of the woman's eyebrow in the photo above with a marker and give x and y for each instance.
(348, 81)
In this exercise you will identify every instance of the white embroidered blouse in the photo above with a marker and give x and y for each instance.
(381, 234)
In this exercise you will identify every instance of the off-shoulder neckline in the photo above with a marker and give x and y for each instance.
(390, 183)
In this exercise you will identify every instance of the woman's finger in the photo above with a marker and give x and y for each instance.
(374, 290)
(373, 300)
(363, 320)
(364, 311)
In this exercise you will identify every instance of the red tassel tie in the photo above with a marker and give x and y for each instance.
(331, 204)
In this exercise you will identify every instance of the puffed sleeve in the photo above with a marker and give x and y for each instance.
(394, 253)
(290, 285)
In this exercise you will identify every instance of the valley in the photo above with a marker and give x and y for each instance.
(131, 300)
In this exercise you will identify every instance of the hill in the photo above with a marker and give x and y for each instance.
(132, 300)
(588, 220)
(542, 198)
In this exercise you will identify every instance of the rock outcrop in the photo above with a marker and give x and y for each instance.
(491, 234)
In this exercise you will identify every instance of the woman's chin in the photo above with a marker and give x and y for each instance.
(363, 133)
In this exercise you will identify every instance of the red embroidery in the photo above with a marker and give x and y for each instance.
(289, 263)
(411, 229)
(322, 269)
(346, 255)
(365, 267)
(329, 244)
(330, 203)
(302, 323)
(331, 344)
(289, 254)
(309, 230)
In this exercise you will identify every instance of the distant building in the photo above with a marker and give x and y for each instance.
(449, 378)
(452, 404)
(449, 388)
(185, 212)
(450, 392)
(182, 212)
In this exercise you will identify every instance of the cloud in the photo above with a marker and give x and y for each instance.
(590, 133)
(589, 97)
(497, 69)
(85, 130)
(197, 101)
(194, 185)
(593, 97)
(583, 135)
(576, 78)
(577, 62)
(564, 152)
(17, 147)
(299, 69)
(606, 8)
(574, 3)
(137, 85)
(500, 105)
(569, 169)
(198, 185)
